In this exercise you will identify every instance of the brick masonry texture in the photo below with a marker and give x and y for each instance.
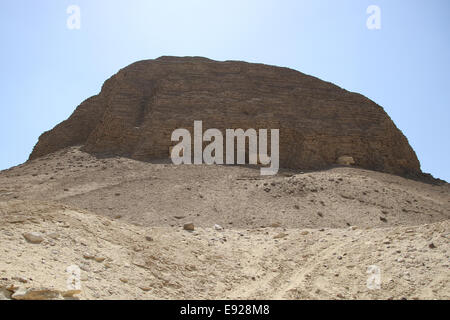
(139, 107)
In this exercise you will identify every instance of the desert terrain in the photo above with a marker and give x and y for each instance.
(296, 235)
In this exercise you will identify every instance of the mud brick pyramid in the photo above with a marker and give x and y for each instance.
(139, 107)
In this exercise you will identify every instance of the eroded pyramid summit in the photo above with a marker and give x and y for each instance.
(138, 108)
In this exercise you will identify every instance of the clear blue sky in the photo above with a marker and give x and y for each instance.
(47, 69)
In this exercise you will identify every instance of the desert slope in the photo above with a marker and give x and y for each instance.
(297, 235)
(163, 194)
(121, 261)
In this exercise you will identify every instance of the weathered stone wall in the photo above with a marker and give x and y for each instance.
(139, 107)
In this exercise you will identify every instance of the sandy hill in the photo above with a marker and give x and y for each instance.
(296, 235)
(163, 194)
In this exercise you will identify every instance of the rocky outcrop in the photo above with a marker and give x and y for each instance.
(139, 107)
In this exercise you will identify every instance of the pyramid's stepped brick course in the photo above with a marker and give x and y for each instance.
(139, 107)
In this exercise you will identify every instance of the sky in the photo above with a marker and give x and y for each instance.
(48, 69)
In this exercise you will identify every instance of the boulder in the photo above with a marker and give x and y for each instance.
(345, 160)
(33, 237)
(189, 227)
(36, 294)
